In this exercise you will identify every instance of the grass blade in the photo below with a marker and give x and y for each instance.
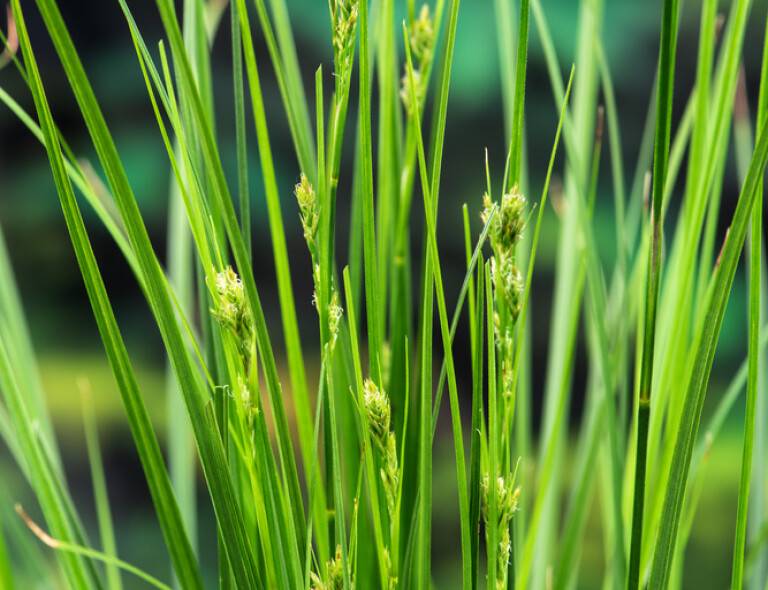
(667, 50)
(99, 481)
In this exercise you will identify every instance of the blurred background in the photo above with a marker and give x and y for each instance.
(57, 309)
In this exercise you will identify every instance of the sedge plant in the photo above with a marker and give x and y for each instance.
(322, 476)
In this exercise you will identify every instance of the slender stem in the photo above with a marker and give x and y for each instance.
(753, 371)
(643, 415)
(660, 164)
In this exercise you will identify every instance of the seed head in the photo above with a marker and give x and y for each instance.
(308, 208)
(511, 219)
(406, 92)
(423, 36)
(250, 408)
(335, 312)
(334, 578)
(508, 281)
(344, 26)
(231, 309)
(507, 500)
(378, 411)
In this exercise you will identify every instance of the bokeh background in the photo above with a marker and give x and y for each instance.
(64, 332)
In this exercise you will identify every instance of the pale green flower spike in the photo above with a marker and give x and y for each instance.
(344, 27)
(505, 232)
(308, 207)
(508, 224)
(378, 411)
(423, 36)
(231, 309)
(335, 312)
(507, 501)
(406, 92)
(422, 41)
(334, 578)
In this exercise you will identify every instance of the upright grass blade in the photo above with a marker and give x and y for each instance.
(666, 68)
(181, 452)
(149, 451)
(477, 426)
(223, 204)
(282, 52)
(352, 533)
(430, 216)
(702, 355)
(99, 480)
(754, 355)
(6, 573)
(370, 471)
(578, 134)
(209, 443)
(491, 533)
(370, 260)
(675, 345)
(280, 249)
(241, 142)
(505, 39)
(518, 105)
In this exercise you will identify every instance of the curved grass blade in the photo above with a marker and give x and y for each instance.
(146, 442)
(109, 560)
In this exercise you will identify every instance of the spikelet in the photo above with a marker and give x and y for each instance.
(422, 42)
(422, 36)
(231, 309)
(378, 412)
(308, 208)
(344, 16)
(334, 576)
(507, 501)
(335, 313)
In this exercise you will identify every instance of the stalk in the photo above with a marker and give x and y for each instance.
(660, 164)
(753, 371)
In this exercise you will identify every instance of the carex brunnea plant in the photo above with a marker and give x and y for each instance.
(311, 438)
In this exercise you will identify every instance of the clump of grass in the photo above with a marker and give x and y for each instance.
(325, 481)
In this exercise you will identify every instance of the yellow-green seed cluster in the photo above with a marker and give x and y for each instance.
(335, 313)
(422, 42)
(334, 575)
(378, 412)
(507, 500)
(505, 233)
(231, 309)
(344, 15)
(308, 208)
